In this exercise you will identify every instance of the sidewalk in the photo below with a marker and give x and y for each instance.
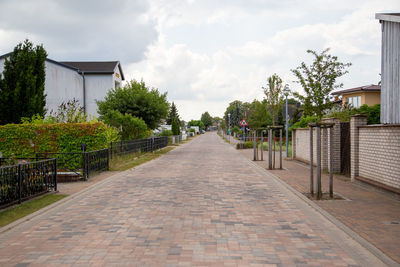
(371, 214)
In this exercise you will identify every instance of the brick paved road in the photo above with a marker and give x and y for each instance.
(201, 204)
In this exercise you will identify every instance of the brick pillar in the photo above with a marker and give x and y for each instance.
(355, 122)
(294, 144)
(336, 139)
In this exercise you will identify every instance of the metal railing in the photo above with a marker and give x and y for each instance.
(95, 161)
(137, 146)
(26, 180)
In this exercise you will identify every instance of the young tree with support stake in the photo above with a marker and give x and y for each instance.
(318, 81)
(273, 95)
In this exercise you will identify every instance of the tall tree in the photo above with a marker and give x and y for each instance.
(259, 116)
(318, 81)
(173, 114)
(136, 99)
(206, 119)
(237, 109)
(273, 95)
(22, 83)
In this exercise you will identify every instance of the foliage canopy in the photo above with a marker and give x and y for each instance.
(137, 100)
(318, 80)
(22, 83)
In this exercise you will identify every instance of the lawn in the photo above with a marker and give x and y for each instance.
(15, 213)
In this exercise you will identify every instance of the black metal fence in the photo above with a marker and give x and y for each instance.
(138, 146)
(80, 164)
(95, 161)
(26, 180)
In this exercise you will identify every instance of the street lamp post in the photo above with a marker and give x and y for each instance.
(229, 116)
(286, 91)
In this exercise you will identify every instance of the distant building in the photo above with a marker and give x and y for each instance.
(86, 81)
(390, 67)
(358, 96)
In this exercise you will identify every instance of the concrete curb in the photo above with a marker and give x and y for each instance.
(353, 235)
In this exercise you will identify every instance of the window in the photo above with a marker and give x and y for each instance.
(354, 101)
(117, 84)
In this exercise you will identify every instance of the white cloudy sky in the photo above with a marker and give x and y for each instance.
(205, 53)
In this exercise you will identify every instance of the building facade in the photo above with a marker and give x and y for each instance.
(358, 96)
(84, 81)
(390, 67)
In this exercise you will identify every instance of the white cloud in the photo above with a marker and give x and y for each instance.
(205, 53)
(207, 79)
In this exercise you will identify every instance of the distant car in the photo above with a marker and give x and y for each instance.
(202, 131)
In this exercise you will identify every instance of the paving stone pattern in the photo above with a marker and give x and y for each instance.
(201, 204)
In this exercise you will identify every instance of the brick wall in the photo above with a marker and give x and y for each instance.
(379, 154)
(301, 145)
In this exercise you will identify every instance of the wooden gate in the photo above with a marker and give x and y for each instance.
(345, 148)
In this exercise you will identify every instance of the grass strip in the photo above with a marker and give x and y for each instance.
(15, 213)
(125, 162)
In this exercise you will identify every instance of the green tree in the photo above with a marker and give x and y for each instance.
(136, 99)
(238, 110)
(196, 123)
(273, 95)
(318, 80)
(259, 116)
(129, 127)
(173, 114)
(206, 119)
(22, 83)
(175, 126)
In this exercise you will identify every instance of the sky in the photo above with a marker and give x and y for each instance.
(204, 53)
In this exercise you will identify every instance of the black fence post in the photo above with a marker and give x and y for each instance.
(19, 184)
(111, 149)
(108, 160)
(55, 174)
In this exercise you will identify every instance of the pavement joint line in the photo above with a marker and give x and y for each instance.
(8, 227)
(353, 235)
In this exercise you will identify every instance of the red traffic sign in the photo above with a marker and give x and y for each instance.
(243, 122)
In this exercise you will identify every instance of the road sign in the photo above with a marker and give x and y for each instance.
(243, 122)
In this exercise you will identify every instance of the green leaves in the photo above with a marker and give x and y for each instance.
(318, 81)
(206, 119)
(24, 140)
(273, 95)
(130, 127)
(22, 83)
(137, 100)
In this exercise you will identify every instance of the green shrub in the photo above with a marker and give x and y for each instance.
(130, 127)
(373, 113)
(166, 133)
(25, 140)
(247, 144)
(303, 122)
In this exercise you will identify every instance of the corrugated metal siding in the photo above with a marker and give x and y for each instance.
(390, 93)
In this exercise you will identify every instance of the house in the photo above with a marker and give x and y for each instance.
(358, 96)
(85, 81)
(390, 67)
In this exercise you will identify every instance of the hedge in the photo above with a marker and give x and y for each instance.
(25, 140)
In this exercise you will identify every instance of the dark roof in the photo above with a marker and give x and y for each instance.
(96, 67)
(49, 60)
(367, 88)
(89, 67)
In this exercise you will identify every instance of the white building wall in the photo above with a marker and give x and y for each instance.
(61, 85)
(97, 87)
(2, 65)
